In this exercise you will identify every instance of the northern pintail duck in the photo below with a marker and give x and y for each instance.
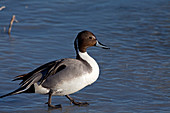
(65, 76)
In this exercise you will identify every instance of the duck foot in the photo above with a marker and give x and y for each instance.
(54, 106)
(77, 103)
(49, 102)
(80, 103)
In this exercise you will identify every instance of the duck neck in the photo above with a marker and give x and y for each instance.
(87, 60)
(84, 56)
(81, 55)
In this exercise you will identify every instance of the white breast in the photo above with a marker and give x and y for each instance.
(92, 77)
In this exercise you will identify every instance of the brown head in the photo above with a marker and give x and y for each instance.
(86, 39)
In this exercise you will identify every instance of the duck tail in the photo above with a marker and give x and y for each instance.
(12, 93)
(17, 91)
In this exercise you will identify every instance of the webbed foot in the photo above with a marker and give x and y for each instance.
(77, 103)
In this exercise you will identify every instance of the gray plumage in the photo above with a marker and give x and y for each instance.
(65, 76)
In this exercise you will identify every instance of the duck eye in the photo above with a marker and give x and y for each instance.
(90, 37)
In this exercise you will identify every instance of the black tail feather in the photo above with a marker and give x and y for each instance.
(17, 91)
(21, 90)
(12, 93)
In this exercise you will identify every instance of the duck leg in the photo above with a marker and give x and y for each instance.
(49, 101)
(76, 103)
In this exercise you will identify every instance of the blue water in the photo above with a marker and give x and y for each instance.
(135, 72)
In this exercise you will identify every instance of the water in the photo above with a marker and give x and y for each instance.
(135, 72)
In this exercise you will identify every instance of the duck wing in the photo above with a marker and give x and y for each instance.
(39, 75)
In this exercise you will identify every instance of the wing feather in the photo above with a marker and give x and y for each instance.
(39, 75)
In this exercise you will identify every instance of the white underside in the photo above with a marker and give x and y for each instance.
(40, 90)
(75, 84)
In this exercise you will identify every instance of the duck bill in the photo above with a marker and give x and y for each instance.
(98, 44)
